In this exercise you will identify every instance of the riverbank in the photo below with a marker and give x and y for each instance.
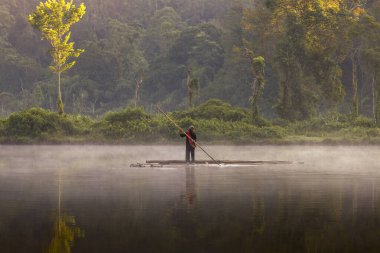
(216, 122)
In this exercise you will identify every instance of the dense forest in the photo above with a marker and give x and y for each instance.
(292, 59)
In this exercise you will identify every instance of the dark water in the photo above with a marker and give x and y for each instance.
(88, 199)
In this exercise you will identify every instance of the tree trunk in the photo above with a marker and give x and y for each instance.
(138, 85)
(373, 98)
(255, 95)
(285, 96)
(355, 102)
(94, 105)
(377, 99)
(189, 92)
(59, 102)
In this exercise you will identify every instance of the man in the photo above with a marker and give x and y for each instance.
(190, 143)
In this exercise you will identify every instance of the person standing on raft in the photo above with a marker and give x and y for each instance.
(190, 144)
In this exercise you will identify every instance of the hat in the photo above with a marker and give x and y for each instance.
(191, 127)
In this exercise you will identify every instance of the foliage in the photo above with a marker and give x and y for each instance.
(163, 30)
(199, 46)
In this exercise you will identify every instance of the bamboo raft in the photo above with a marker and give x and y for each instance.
(161, 163)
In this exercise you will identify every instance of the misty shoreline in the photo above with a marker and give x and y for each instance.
(216, 122)
(322, 142)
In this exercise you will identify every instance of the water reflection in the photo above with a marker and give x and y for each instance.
(190, 194)
(258, 223)
(65, 230)
(320, 206)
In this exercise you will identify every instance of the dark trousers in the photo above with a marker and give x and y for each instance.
(190, 151)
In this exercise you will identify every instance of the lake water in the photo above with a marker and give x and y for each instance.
(88, 199)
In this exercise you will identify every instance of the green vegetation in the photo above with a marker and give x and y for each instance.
(216, 122)
(39, 125)
(292, 59)
(312, 67)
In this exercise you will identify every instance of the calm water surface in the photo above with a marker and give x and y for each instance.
(87, 199)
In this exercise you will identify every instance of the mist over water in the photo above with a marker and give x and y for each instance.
(330, 203)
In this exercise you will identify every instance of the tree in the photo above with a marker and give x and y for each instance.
(5, 98)
(370, 65)
(112, 63)
(233, 82)
(163, 30)
(356, 30)
(365, 40)
(38, 96)
(258, 65)
(300, 42)
(139, 82)
(200, 49)
(192, 87)
(54, 19)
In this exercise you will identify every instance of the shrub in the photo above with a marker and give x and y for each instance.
(2, 126)
(32, 122)
(126, 115)
(36, 122)
(363, 122)
(128, 124)
(215, 121)
(330, 122)
(215, 109)
(280, 122)
(219, 131)
(374, 132)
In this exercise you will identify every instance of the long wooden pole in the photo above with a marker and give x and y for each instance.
(188, 136)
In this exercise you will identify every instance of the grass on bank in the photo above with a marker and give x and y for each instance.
(215, 121)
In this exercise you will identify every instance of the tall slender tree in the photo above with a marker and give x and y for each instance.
(139, 82)
(54, 19)
(192, 87)
(258, 83)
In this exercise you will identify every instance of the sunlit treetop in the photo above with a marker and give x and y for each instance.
(56, 16)
(54, 19)
(330, 5)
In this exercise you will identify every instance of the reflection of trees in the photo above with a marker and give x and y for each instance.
(259, 215)
(64, 234)
(190, 186)
(322, 217)
(287, 215)
(65, 231)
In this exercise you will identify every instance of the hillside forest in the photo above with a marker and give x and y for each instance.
(289, 59)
